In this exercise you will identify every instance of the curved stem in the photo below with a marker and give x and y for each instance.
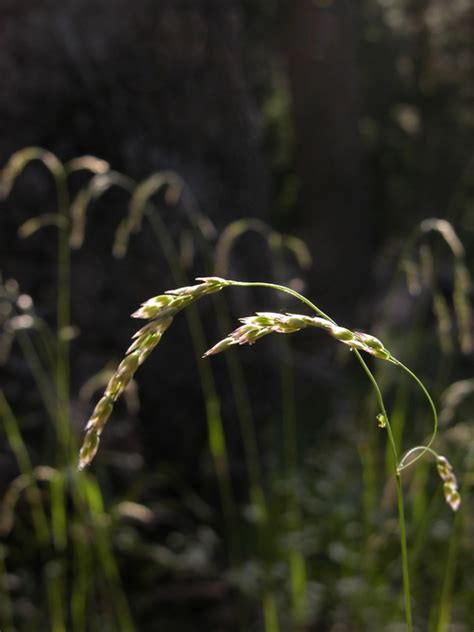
(426, 448)
(286, 290)
(401, 511)
(418, 448)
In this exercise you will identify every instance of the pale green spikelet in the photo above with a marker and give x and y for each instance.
(450, 487)
(264, 323)
(160, 310)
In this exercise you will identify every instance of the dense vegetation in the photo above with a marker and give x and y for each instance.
(318, 145)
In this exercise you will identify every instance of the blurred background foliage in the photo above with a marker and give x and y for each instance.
(308, 142)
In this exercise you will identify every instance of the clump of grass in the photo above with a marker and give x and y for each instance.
(66, 506)
(161, 310)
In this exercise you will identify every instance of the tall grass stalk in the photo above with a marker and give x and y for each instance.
(161, 310)
(401, 511)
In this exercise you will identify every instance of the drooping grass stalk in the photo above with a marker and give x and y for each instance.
(161, 310)
(403, 463)
(401, 511)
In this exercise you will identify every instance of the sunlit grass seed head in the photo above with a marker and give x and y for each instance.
(450, 487)
(264, 323)
(452, 496)
(160, 311)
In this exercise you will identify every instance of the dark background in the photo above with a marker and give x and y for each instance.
(344, 123)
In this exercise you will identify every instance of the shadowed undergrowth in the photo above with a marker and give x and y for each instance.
(272, 547)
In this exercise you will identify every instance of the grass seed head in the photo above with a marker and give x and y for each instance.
(450, 487)
(264, 323)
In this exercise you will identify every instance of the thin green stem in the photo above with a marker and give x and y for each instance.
(401, 511)
(286, 290)
(403, 464)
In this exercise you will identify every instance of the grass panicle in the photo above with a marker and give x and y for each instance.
(51, 492)
(264, 323)
(160, 311)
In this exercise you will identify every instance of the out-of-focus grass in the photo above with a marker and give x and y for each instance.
(315, 544)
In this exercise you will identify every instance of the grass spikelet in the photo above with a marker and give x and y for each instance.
(160, 310)
(264, 323)
(450, 487)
